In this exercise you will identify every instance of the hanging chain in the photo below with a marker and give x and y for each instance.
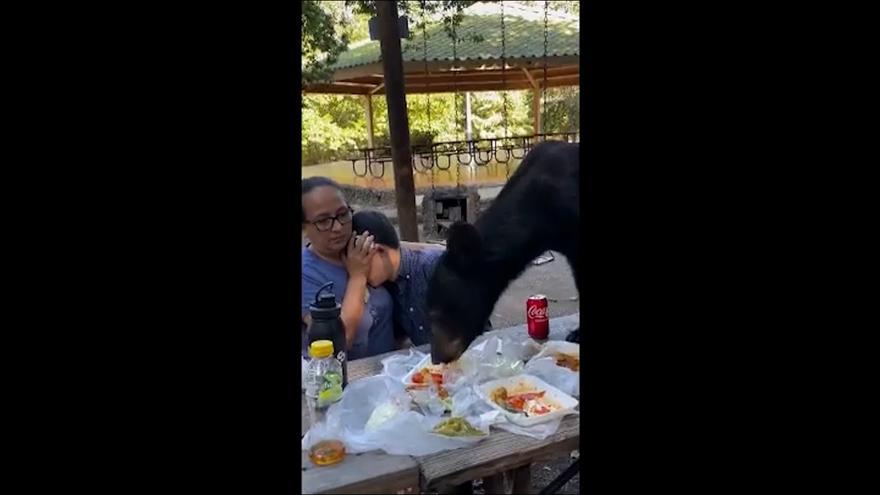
(544, 92)
(428, 94)
(504, 92)
(455, 106)
(455, 82)
(577, 123)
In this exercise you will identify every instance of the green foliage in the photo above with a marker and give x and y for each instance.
(413, 8)
(562, 108)
(329, 26)
(334, 126)
(451, 11)
(568, 7)
(322, 40)
(487, 114)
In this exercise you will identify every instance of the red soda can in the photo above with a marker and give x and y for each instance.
(538, 317)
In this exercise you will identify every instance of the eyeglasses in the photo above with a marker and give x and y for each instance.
(325, 224)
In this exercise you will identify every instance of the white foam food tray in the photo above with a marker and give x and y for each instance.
(552, 347)
(527, 383)
(407, 379)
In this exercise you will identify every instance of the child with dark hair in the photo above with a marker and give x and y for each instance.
(404, 269)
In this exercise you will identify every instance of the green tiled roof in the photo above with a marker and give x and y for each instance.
(524, 38)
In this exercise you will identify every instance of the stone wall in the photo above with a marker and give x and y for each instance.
(376, 197)
(430, 201)
(385, 200)
(367, 197)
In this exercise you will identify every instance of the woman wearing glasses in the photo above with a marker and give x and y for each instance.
(335, 255)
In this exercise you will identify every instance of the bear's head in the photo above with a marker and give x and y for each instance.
(458, 302)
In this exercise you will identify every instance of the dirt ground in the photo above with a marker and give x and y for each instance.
(553, 279)
(542, 475)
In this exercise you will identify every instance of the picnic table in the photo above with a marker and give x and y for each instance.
(501, 454)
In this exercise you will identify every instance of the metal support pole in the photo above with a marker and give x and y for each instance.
(368, 104)
(468, 130)
(536, 111)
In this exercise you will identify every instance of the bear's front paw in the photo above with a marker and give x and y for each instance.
(574, 336)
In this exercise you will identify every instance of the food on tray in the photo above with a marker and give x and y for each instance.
(531, 403)
(567, 361)
(427, 376)
(499, 396)
(457, 427)
(382, 414)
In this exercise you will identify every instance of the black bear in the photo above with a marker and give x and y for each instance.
(538, 210)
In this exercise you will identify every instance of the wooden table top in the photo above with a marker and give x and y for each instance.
(378, 472)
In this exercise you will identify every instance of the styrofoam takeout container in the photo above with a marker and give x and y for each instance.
(567, 402)
(407, 378)
(426, 361)
(560, 346)
(414, 387)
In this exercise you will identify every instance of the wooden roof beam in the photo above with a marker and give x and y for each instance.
(553, 71)
(354, 84)
(416, 66)
(420, 87)
(472, 87)
(334, 89)
(464, 79)
(531, 79)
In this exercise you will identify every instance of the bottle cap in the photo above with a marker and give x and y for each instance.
(321, 348)
(325, 306)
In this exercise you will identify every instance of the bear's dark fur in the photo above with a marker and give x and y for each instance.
(538, 210)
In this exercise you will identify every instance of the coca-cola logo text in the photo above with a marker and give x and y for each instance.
(537, 313)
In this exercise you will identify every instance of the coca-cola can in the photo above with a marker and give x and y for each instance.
(537, 317)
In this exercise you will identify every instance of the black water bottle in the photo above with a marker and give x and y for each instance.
(327, 325)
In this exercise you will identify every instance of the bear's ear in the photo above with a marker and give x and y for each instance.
(464, 244)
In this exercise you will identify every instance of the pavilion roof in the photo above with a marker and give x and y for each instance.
(478, 64)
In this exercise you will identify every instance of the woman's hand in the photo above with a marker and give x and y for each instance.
(358, 255)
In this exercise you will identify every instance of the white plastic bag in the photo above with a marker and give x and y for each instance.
(382, 414)
(560, 377)
(346, 420)
(523, 346)
(398, 365)
(466, 402)
(429, 401)
(407, 433)
(517, 345)
(491, 358)
(559, 346)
